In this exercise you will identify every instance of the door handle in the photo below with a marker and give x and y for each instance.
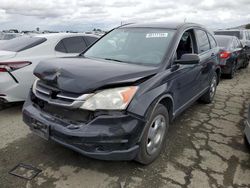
(213, 54)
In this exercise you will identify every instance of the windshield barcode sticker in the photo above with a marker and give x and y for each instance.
(156, 35)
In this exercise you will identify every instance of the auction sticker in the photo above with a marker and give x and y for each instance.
(156, 35)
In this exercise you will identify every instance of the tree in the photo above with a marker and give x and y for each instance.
(248, 26)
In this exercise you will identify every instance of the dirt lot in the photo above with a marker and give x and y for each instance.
(205, 149)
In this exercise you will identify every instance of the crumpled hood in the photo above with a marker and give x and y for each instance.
(83, 75)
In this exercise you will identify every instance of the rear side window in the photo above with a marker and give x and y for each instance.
(22, 43)
(238, 43)
(202, 41)
(71, 45)
(212, 41)
(90, 39)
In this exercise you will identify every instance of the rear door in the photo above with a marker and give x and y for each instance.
(186, 77)
(208, 52)
(70, 46)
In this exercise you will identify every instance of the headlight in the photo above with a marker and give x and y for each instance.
(110, 99)
(34, 86)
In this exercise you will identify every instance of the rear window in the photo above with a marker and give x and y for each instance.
(223, 42)
(91, 39)
(237, 34)
(71, 45)
(22, 43)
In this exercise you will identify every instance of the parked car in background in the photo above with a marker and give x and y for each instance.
(247, 128)
(232, 54)
(8, 36)
(116, 100)
(19, 57)
(242, 34)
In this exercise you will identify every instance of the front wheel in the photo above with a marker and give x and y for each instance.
(208, 97)
(154, 136)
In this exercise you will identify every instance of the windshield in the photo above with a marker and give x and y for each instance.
(229, 33)
(22, 43)
(145, 46)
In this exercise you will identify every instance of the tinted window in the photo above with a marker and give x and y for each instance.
(60, 47)
(238, 43)
(237, 34)
(223, 41)
(90, 39)
(22, 43)
(71, 45)
(202, 41)
(145, 46)
(212, 41)
(248, 35)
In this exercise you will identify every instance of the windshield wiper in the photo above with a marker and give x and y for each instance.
(110, 59)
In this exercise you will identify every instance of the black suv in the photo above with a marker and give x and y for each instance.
(116, 100)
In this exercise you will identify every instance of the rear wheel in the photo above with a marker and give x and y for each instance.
(209, 95)
(154, 136)
(246, 141)
(233, 71)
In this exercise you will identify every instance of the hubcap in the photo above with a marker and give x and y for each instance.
(213, 87)
(156, 134)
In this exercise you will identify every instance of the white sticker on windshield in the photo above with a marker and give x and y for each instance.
(157, 35)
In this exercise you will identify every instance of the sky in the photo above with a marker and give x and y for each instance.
(85, 15)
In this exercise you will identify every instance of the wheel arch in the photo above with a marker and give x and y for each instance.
(218, 72)
(166, 100)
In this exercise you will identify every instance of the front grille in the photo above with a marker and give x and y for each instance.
(63, 116)
(55, 96)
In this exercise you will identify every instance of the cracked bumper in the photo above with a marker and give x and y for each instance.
(106, 137)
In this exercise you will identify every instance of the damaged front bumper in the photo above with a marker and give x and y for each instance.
(106, 137)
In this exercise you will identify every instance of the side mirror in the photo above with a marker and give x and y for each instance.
(189, 59)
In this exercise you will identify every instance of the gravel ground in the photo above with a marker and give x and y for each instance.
(205, 149)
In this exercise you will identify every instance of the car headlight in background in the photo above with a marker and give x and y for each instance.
(110, 99)
(34, 85)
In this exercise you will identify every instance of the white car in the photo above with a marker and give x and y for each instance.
(19, 57)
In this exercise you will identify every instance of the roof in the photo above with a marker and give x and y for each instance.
(61, 35)
(166, 25)
(225, 36)
(223, 30)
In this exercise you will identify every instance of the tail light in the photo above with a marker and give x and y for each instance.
(225, 55)
(11, 66)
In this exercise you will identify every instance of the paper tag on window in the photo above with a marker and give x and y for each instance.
(156, 35)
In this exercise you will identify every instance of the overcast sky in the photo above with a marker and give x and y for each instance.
(82, 15)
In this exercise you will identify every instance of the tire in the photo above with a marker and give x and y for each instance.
(246, 64)
(154, 136)
(208, 97)
(246, 142)
(233, 71)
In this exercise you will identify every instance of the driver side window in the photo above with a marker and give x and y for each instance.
(186, 44)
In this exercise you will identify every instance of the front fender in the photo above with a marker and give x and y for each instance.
(141, 104)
